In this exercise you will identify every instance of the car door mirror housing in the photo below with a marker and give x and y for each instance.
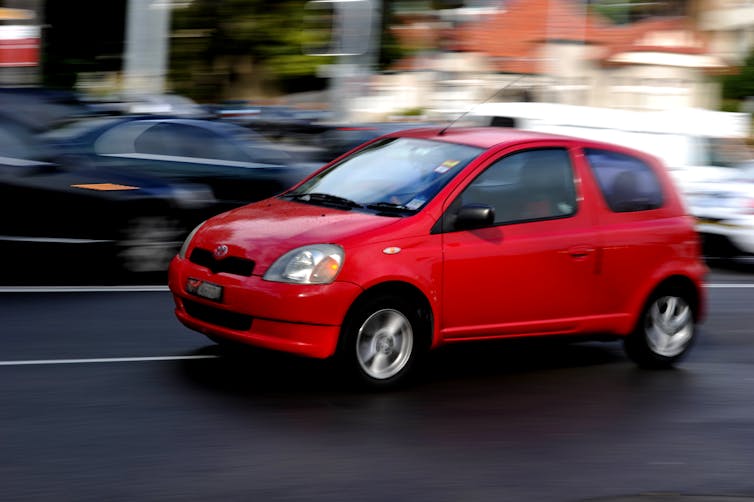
(475, 216)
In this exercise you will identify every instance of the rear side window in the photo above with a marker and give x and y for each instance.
(627, 183)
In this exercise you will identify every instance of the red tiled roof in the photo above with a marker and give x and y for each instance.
(513, 38)
(636, 37)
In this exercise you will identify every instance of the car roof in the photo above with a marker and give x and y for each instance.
(205, 123)
(482, 137)
(489, 136)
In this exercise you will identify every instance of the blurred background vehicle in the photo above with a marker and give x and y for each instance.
(330, 140)
(295, 130)
(130, 187)
(312, 134)
(724, 209)
(55, 210)
(273, 120)
(78, 137)
(236, 164)
(143, 103)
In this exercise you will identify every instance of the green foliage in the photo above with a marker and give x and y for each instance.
(411, 112)
(215, 41)
(730, 105)
(212, 39)
(390, 48)
(628, 11)
(740, 85)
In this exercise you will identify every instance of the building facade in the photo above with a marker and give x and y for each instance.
(560, 51)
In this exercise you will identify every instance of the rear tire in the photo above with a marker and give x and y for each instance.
(665, 330)
(382, 340)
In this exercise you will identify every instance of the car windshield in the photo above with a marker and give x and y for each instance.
(394, 175)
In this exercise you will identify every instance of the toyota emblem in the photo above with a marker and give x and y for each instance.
(221, 251)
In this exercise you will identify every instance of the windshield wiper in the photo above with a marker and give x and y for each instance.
(389, 207)
(325, 198)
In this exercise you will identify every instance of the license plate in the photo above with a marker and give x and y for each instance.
(204, 289)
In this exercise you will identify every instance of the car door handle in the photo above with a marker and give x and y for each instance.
(580, 251)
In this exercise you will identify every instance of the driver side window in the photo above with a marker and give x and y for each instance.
(525, 186)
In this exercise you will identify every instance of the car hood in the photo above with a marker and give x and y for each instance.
(265, 230)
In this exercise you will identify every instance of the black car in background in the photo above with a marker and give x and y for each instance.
(60, 215)
(237, 165)
(313, 134)
(131, 192)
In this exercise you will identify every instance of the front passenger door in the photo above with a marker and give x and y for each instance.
(534, 269)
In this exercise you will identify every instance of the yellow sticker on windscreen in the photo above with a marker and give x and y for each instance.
(105, 187)
(446, 166)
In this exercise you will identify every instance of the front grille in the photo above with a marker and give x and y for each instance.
(218, 317)
(230, 264)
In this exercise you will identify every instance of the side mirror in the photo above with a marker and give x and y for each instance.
(475, 216)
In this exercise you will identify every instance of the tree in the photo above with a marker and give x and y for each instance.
(213, 39)
(741, 85)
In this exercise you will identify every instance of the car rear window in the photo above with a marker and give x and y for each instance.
(627, 183)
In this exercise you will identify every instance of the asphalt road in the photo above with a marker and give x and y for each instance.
(104, 396)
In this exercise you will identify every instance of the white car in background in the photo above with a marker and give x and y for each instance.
(724, 209)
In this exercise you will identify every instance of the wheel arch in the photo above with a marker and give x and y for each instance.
(676, 282)
(407, 291)
(652, 343)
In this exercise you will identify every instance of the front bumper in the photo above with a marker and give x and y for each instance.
(301, 319)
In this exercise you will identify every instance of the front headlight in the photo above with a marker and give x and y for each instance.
(313, 264)
(187, 242)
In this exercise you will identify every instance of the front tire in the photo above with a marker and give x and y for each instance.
(665, 331)
(382, 340)
(148, 243)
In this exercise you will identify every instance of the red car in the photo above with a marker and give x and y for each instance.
(432, 236)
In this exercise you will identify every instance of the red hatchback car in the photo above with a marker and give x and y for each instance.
(432, 236)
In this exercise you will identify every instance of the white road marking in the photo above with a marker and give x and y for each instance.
(732, 285)
(51, 240)
(40, 362)
(138, 289)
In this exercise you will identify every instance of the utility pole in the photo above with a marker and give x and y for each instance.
(147, 35)
(354, 39)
